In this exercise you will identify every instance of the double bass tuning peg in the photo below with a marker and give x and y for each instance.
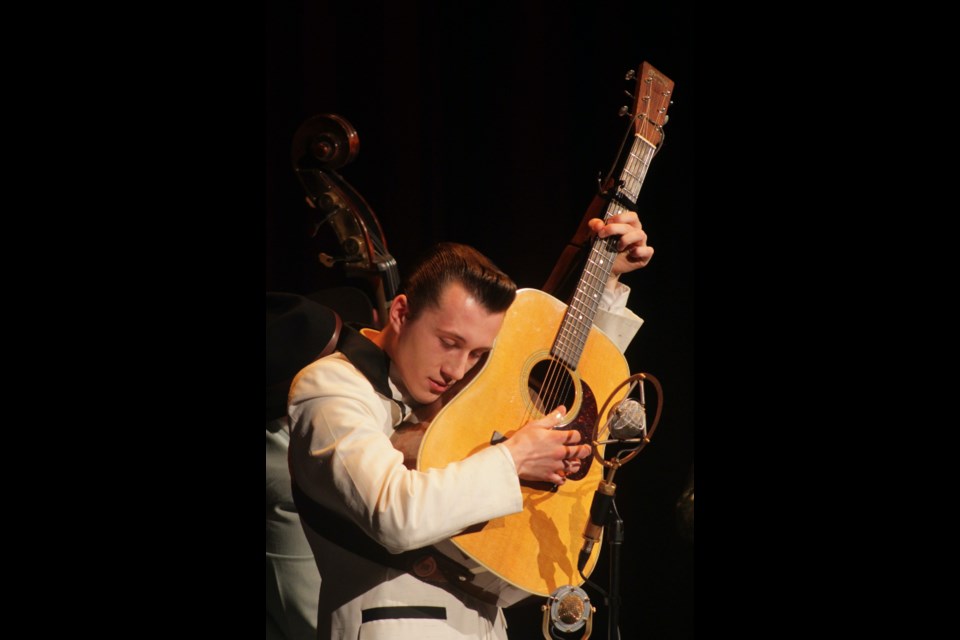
(328, 261)
(326, 202)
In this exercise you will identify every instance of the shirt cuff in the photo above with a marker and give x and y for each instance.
(509, 456)
(615, 301)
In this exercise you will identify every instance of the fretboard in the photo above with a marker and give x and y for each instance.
(570, 340)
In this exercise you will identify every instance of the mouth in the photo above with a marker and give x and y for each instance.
(436, 387)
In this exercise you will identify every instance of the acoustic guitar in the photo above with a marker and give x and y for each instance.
(547, 354)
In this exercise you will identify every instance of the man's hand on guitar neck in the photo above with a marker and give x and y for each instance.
(634, 251)
(541, 453)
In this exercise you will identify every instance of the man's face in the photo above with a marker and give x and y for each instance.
(443, 343)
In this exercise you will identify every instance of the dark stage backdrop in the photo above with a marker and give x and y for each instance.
(489, 126)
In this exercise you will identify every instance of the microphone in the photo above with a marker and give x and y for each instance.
(568, 609)
(628, 420)
(599, 510)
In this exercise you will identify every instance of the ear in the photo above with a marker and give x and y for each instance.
(399, 310)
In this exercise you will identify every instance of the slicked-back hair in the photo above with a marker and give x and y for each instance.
(449, 262)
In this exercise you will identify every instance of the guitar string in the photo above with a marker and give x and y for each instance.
(558, 381)
(574, 329)
(602, 256)
(557, 384)
(571, 326)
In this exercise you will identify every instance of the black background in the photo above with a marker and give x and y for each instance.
(489, 125)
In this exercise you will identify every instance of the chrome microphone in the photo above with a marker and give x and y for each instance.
(626, 423)
(568, 609)
(628, 420)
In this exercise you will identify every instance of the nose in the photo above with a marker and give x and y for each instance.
(455, 368)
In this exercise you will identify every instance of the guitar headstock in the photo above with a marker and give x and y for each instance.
(654, 95)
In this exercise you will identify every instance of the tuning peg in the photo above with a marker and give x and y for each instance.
(624, 111)
(328, 261)
(631, 74)
(628, 94)
(327, 201)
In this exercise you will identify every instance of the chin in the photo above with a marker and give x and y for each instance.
(427, 397)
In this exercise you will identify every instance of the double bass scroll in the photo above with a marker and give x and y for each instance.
(323, 144)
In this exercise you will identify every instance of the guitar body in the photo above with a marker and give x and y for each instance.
(536, 549)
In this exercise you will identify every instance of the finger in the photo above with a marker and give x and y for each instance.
(618, 224)
(578, 451)
(629, 218)
(640, 254)
(633, 238)
(608, 228)
(551, 420)
(556, 418)
(630, 239)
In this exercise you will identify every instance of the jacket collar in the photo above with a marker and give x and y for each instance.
(374, 363)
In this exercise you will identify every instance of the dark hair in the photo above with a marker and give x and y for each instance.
(449, 262)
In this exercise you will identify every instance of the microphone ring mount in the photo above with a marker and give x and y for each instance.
(619, 461)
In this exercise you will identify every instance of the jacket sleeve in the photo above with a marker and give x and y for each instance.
(615, 319)
(341, 456)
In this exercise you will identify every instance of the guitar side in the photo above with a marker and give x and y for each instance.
(536, 549)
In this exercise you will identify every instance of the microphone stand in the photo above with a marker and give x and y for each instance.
(613, 530)
(612, 522)
(615, 540)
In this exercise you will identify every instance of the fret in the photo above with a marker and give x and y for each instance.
(582, 310)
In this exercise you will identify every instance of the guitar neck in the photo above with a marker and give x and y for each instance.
(568, 346)
(654, 92)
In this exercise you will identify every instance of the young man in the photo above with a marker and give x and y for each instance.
(371, 521)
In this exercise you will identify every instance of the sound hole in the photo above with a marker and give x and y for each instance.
(551, 385)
